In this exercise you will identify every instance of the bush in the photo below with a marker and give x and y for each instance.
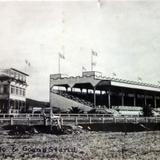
(92, 111)
(76, 110)
(147, 111)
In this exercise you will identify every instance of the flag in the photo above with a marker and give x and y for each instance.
(61, 56)
(114, 74)
(139, 79)
(83, 68)
(94, 53)
(93, 63)
(99, 3)
(27, 63)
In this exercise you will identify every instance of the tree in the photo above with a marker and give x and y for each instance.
(75, 110)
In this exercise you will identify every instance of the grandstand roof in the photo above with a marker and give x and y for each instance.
(91, 79)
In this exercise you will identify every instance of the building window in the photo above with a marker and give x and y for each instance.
(24, 78)
(16, 90)
(21, 91)
(12, 73)
(5, 91)
(19, 76)
(24, 93)
(1, 89)
(12, 90)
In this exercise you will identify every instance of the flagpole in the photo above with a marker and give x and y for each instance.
(91, 61)
(58, 63)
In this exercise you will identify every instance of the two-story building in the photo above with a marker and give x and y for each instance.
(12, 91)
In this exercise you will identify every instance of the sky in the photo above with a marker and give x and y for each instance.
(125, 34)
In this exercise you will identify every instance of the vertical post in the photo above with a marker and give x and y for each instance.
(135, 119)
(102, 119)
(11, 121)
(61, 121)
(155, 102)
(122, 98)
(25, 106)
(28, 121)
(156, 119)
(87, 91)
(145, 100)
(134, 100)
(91, 62)
(8, 104)
(50, 100)
(76, 121)
(90, 120)
(58, 63)
(94, 94)
(109, 99)
(18, 106)
(44, 120)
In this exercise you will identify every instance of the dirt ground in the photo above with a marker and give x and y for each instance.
(86, 145)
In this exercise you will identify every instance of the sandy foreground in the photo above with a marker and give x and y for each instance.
(85, 145)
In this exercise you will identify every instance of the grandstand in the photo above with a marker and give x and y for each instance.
(92, 90)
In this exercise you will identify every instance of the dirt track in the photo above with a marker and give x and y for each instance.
(86, 145)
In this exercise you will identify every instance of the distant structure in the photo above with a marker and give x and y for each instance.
(92, 90)
(12, 91)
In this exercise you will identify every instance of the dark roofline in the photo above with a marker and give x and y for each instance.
(19, 71)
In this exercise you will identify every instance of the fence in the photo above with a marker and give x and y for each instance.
(39, 119)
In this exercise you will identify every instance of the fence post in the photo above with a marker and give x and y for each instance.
(125, 120)
(11, 121)
(45, 121)
(135, 119)
(61, 121)
(114, 119)
(76, 121)
(102, 120)
(90, 120)
(28, 121)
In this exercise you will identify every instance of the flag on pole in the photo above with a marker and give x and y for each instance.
(114, 74)
(27, 63)
(99, 3)
(61, 56)
(139, 79)
(93, 63)
(83, 68)
(94, 53)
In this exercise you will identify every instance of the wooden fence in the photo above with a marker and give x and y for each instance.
(39, 119)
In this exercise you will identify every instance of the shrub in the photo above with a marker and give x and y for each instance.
(147, 111)
(75, 110)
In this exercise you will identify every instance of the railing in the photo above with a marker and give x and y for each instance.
(81, 120)
(34, 119)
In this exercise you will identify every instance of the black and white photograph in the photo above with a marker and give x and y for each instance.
(80, 80)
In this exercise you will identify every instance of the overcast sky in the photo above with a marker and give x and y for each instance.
(126, 35)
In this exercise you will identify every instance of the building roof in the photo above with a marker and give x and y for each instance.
(19, 71)
(90, 80)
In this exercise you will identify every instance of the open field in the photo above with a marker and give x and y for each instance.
(82, 145)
